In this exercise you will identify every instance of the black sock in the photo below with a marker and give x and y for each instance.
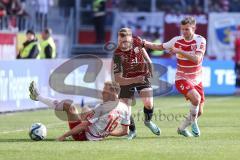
(132, 124)
(148, 113)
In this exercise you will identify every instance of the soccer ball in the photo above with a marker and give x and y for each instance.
(38, 132)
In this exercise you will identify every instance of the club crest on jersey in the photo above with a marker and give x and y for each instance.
(193, 47)
(136, 50)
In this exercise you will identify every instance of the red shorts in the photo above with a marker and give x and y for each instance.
(183, 86)
(80, 136)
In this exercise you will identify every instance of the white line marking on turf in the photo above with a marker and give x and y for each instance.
(52, 125)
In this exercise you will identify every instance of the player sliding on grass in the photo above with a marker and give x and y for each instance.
(108, 118)
(189, 49)
(132, 68)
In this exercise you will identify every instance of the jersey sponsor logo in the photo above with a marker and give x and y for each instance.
(136, 50)
(181, 56)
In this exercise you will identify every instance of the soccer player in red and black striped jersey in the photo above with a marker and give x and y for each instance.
(132, 68)
(189, 49)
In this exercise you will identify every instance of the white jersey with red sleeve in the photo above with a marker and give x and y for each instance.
(103, 123)
(187, 69)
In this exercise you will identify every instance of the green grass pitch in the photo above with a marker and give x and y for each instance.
(220, 139)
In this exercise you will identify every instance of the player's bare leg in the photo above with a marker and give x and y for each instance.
(147, 98)
(132, 128)
(71, 110)
(36, 96)
(66, 105)
(195, 100)
(200, 112)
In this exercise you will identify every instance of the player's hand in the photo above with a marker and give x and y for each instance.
(139, 79)
(174, 50)
(62, 138)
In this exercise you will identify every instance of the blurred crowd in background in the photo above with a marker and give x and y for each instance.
(181, 6)
(94, 21)
(64, 28)
(20, 8)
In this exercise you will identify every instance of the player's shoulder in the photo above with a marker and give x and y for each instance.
(199, 38)
(98, 105)
(136, 40)
(122, 106)
(120, 103)
(175, 39)
(118, 52)
(112, 104)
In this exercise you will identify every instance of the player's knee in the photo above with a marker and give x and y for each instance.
(73, 109)
(200, 112)
(196, 100)
(66, 105)
(148, 104)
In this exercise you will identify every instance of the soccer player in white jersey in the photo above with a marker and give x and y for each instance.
(110, 118)
(189, 49)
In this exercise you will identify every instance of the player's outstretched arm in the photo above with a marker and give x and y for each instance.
(148, 61)
(196, 57)
(79, 128)
(153, 46)
(122, 131)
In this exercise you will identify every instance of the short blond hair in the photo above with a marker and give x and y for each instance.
(123, 32)
(114, 86)
(189, 20)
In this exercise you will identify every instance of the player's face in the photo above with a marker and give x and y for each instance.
(125, 43)
(106, 93)
(188, 31)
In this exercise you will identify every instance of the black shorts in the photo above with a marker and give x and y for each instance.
(237, 71)
(129, 90)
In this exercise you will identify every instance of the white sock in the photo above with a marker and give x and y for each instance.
(194, 113)
(53, 103)
(191, 118)
(185, 123)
